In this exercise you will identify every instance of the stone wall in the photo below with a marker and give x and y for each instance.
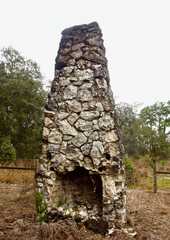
(81, 168)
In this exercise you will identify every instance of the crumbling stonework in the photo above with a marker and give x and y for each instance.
(82, 161)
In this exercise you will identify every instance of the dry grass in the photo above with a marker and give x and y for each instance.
(16, 176)
(147, 213)
(142, 177)
(11, 176)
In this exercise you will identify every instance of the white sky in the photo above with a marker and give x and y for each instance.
(136, 35)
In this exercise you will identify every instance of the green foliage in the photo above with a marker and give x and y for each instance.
(162, 162)
(157, 116)
(128, 126)
(41, 207)
(7, 151)
(15, 199)
(22, 100)
(129, 164)
(145, 133)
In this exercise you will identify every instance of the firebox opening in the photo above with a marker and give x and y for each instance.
(78, 191)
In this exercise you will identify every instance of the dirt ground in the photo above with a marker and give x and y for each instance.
(147, 213)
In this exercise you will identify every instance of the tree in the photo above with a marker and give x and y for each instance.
(22, 100)
(157, 116)
(156, 121)
(145, 133)
(7, 151)
(129, 125)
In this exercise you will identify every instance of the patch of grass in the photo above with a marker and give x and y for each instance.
(163, 184)
(11, 176)
(15, 199)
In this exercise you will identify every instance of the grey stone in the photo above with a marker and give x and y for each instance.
(79, 140)
(72, 118)
(111, 136)
(72, 152)
(64, 82)
(45, 133)
(89, 115)
(62, 115)
(55, 137)
(86, 148)
(48, 123)
(67, 137)
(83, 125)
(77, 54)
(66, 128)
(90, 105)
(99, 107)
(84, 95)
(86, 74)
(73, 106)
(97, 150)
(53, 148)
(66, 71)
(87, 85)
(49, 113)
(63, 147)
(93, 137)
(70, 92)
(106, 122)
(87, 133)
(101, 83)
(77, 46)
(96, 124)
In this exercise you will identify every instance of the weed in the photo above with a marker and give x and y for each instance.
(15, 199)
(41, 207)
(129, 164)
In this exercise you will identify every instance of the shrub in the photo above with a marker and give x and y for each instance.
(7, 151)
(129, 164)
(41, 207)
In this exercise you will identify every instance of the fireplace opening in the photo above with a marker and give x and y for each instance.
(78, 192)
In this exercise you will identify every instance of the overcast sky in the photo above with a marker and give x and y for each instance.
(136, 36)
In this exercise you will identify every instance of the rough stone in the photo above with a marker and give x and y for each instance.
(53, 148)
(73, 106)
(79, 140)
(94, 136)
(86, 148)
(111, 136)
(84, 95)
(106, 123)
(62, 115)
(83, 125)
(48, 123)
(97, 150)
(72, 118)
(70, 92)
(45, 133)
(77, 46)
(77, 54)
(55, 137)
(67, 129)
(89, 115)
(83, 75)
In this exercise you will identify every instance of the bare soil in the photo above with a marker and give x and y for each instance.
(147, 213)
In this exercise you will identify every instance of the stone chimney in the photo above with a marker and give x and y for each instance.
(81, 168)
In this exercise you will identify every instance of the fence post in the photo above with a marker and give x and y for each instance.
(154, 176)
